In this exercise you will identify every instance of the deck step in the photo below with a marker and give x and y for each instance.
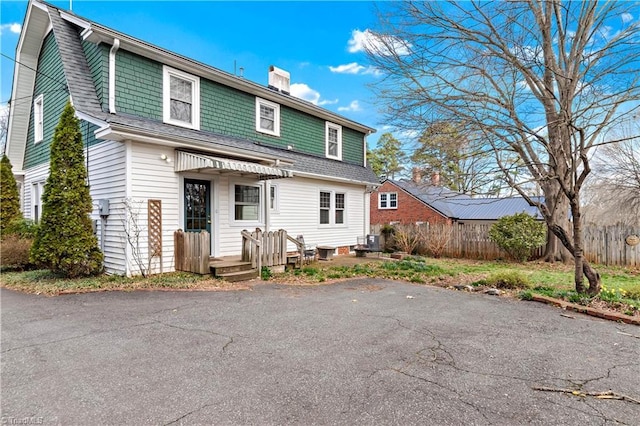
(220, 268)
(236, 276)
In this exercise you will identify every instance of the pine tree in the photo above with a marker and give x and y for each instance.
(65, 242)
(9, 197)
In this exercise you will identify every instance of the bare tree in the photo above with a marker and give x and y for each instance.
(540, 80)
(4, 128)
(616, 180)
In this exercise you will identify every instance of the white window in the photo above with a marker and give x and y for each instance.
(333, 135)
(181, 98)
(332, 208)
(325, 207)
(339, 211)
(246, 203)
(267, 117)
(36, 201)
(273, 198)
(388, 200)
(38, 119)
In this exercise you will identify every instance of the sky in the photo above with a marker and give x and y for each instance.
(319, 43)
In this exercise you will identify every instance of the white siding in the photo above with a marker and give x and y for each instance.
(107, 180)
(33, 175)
(153, 178)
(299, 212)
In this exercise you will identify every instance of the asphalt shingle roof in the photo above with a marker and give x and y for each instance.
(463, 207)
(85, 100)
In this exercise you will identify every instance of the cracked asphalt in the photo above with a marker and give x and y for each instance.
(358, 352)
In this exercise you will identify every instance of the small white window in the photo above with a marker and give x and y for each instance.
(339, 213)
(273, 198)
(181, 98)
(36, 201)
(333, 135)
(267, 117)
(247, 203)
(325, 207)
(388, 200)
(38, 119)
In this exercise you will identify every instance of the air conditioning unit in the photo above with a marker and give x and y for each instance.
(279, 80)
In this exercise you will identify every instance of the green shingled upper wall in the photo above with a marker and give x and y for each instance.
(52, 84)
(224, 110)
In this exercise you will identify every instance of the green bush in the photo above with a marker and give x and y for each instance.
(511, 280)
(265, 273)
(65, 242)
(9, 197)
(23, 228)
(518, 235)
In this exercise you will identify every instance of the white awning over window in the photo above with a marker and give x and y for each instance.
(188, 161)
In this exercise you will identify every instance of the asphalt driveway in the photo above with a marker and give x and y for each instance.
(359, 352)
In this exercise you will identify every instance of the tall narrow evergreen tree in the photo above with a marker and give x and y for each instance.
(65, 242)
(9, 198)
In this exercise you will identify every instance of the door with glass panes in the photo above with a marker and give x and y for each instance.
(197, 205)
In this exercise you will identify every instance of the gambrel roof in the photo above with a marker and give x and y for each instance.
(70, 29)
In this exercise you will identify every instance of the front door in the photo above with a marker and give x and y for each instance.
(197, 205)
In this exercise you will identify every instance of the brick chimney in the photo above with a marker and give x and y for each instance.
(416, 175)
(435, 178)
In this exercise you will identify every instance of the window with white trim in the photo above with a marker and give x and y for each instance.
(246, 203)
(333, 141)
(273, 198)
(332, 208)
(339, 208)
(325, 207)
(38, 119)
(388, 200)
(37, 189)
(267, 117)
(181, 98)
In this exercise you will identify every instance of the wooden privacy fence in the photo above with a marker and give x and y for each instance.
(602, 245)
(264, 248)
(607, 245)
(192, 251)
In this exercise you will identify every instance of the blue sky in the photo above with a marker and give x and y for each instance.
(319, 43)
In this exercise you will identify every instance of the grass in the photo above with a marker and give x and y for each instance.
(621, 286)
(45, 282)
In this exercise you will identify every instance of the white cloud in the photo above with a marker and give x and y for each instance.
(352, 68)
(302, 91)
(13, 27)
(355, 68)
(353, 106)
(360, 41)
(626, 17)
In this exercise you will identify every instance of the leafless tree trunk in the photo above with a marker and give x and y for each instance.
(539, 80)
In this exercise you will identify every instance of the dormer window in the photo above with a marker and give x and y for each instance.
(333, 136)
(38, 119)
(267, 117)
(181, 103)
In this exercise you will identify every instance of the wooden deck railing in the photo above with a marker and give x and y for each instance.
(251, 245)
(192, 250)
(266, 248)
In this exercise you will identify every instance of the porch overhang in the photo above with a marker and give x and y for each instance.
(186, 161)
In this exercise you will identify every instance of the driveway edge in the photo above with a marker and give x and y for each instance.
(612, 316)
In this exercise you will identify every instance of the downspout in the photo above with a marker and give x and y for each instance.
(267, 206)
(112, 75)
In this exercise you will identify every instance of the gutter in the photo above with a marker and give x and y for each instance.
(122, 133)
(336, 179)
